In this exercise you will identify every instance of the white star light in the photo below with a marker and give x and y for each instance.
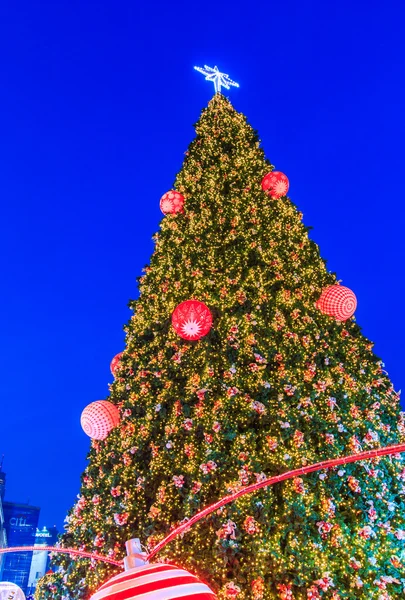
(219, 79)
(191, 328)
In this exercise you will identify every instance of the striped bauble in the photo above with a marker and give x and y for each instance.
(337, 301)
(98, 418)
(154, 582)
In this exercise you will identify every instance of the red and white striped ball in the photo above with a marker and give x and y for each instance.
(192, 320)
(115, 363)
(98, 418)
(171, 203)
(154, 582)
(276, 184)
(337, 301)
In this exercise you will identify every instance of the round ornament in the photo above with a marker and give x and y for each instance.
(337, 301)
(276, 184)
(155, 582)
(10, 591)
(115, 363)
(99, 418)
(192, 319)
(171, 203)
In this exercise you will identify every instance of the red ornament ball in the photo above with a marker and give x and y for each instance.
(115, 363)
(171, 203)
(276, 184)
(337, 301)
(98, 418)
(192, 319)
(155, 582)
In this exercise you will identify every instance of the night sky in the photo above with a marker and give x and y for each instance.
(97, 105)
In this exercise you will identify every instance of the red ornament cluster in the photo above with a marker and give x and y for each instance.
(337, 301)
(99, 418)
(156, 582)
(192, 320)
(116, 363)
(171, 203)
(276, 184)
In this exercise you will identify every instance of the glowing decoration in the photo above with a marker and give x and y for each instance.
(57, 550)
(192, 319)
(10, 591)
(276, 184)
(337, 301)
(325, 464)
(219, 79)
(115, 363)
(155, 582)
(171, 203)
(99, 418)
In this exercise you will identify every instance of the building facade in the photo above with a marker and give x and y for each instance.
(40, 558)
(21, 522)
(3, 537)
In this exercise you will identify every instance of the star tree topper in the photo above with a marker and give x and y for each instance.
(219, 79)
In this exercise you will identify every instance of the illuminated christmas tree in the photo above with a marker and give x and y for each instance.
(266, 381)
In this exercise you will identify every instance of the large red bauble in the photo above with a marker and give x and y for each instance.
(276, 184)
(192, 319)
(98, 418)
(154, 582)
(337, 301)
(115, 363)
(172, 202)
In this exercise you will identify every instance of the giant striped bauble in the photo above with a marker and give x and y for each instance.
(192, 319)
(154, 582)
(276, 184)
(99, 418)
(337, 301)
(172, 202)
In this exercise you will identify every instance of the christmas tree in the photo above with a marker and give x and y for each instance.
(275, 384)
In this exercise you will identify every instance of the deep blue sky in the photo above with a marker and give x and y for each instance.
(97, 104)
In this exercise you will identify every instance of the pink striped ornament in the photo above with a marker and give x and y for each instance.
(337, 301)
(154, 582)
(98, 418)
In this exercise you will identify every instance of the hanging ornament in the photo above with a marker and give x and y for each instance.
(276, 184)
(98, 418)
(337, 301)
(155, 582)
(171, 203)
(115, 363)
(192, 319)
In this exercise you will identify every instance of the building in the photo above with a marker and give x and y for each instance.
(3, 537)
(21, 522)
(40, 558)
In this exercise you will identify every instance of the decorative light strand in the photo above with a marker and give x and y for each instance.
(80, 553)
(326, 464)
